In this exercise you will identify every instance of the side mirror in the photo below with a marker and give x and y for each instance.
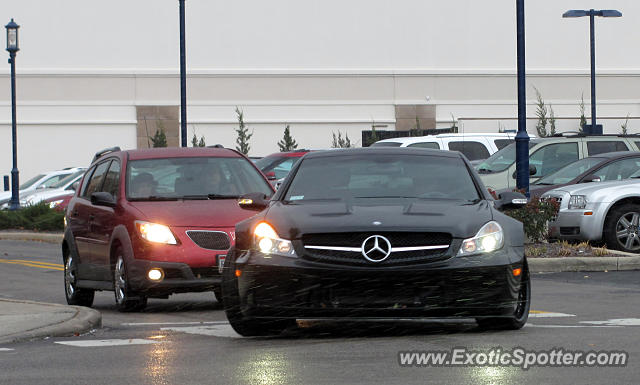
(271, 175)
(532, 171)
(253, 201)
(510, 200)
(103, 199)
(591, 178)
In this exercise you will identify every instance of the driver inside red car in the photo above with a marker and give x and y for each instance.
(143, 185)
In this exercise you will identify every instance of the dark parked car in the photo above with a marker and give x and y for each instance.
(150, 223)
(276, 166)
(378, 232)
(607, 167)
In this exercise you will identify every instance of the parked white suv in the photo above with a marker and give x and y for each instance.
(475, 146)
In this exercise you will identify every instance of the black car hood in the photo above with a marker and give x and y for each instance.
(291, 220)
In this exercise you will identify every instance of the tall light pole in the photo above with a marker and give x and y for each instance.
(522, 138)
(183, 78)
(13, 48)
(594, 130)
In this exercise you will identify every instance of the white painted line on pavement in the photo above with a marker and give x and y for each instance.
(616, 322)
(5, 350)
(98, 343)
(214, 330)
(568, 326)
(173, 323)
(547, 314)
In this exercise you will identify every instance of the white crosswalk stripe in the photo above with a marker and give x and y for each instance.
(529, 324)
(212, 330)
(173, 323)
(615, 322)
(546, 314)
(101, 343)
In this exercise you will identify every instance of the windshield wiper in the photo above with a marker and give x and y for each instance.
(544, 183)
(222, 196)
(194, 197)
(484, 170)
(383, 196)
(154, 198)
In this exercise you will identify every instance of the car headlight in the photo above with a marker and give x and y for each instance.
(488, 239)
(577, 202)
(267, 241)
(156, 233)
(54, 204)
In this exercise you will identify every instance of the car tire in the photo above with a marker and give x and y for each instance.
(521, 312)
(75, 296)
(126, 299)
(621, 228)
(245, 326)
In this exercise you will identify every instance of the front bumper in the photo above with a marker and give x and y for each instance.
(178, 278)
(579, 224)
(478, 286)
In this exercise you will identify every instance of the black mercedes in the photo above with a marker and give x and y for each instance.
(377, 233)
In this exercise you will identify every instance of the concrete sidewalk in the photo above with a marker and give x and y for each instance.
(25, 320)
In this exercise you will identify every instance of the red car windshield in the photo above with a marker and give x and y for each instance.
(193, 178)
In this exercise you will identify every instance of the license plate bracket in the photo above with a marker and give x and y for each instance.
(221, 259)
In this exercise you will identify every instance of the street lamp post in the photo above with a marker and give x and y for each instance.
(522, 138)
(592, 13)
(13, 48)
(183, 78)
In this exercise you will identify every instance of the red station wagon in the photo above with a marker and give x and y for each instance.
(150, 223)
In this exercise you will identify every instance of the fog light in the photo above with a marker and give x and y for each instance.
(155, 274)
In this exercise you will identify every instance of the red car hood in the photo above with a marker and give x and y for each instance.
(194, 213)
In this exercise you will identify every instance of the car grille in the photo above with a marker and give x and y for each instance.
(559, 200)
(211, 240)
(435, 244)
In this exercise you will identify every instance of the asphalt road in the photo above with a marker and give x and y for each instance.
(186, 340)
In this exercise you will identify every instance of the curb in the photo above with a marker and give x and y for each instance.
(32, 236)
(84, 320)
(556, 265)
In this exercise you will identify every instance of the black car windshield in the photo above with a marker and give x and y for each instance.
(501, 160)
(193, 178)
(570, 171)
(382, 176)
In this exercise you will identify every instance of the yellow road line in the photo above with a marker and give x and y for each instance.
(538, 311)
(37, 262)
(27, 263)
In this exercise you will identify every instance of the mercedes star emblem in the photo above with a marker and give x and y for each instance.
(376, 248)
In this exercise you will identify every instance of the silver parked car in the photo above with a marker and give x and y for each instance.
(608, 211)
